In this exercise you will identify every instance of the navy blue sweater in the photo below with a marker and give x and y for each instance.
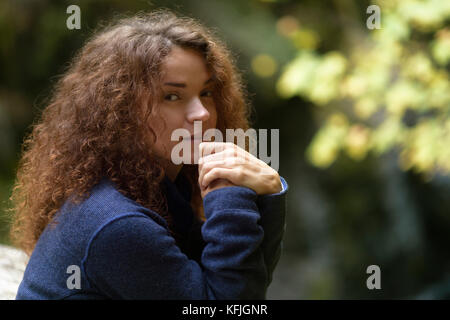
(110, 247)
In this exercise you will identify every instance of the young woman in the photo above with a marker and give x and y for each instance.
(102, 208)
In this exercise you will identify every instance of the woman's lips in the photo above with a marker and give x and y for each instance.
(194, 138)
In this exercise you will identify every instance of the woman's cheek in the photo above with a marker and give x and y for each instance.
(212, 121)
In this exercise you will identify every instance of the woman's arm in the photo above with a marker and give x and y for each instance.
(227, 162)
(272, 208)
(134, 257)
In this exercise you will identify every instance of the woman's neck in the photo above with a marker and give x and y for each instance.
(172, 171)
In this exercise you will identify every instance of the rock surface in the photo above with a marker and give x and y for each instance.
(12, 266)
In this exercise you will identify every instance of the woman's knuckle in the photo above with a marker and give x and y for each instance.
(240, 173)
(228, 153)
(230, 145)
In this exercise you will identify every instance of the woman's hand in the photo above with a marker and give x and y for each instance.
(227, 161)
(216, 184)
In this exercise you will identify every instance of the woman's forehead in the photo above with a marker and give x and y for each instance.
(182, 65)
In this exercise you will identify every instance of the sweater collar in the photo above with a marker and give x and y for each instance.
(178, 195)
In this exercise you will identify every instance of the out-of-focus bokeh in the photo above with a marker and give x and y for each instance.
(363, 113)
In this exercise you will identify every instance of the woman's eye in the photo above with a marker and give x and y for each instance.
(171, 97)
(175, 97)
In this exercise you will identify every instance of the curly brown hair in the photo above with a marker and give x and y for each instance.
(96, 122)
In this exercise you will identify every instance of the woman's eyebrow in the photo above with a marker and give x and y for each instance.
(182, 84)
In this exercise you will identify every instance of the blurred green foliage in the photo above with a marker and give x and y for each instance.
(389, 88)
(363, 119)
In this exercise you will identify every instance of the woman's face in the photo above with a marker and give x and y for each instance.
(187, 96)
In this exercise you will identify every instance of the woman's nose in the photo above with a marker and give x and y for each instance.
(197, 111)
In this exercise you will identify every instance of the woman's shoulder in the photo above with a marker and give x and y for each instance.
(106, 201)
(103, 205)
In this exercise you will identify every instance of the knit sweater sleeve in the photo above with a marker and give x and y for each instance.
(272, 208)
(134, 256)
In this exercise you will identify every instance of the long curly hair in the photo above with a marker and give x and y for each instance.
(96, 124)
